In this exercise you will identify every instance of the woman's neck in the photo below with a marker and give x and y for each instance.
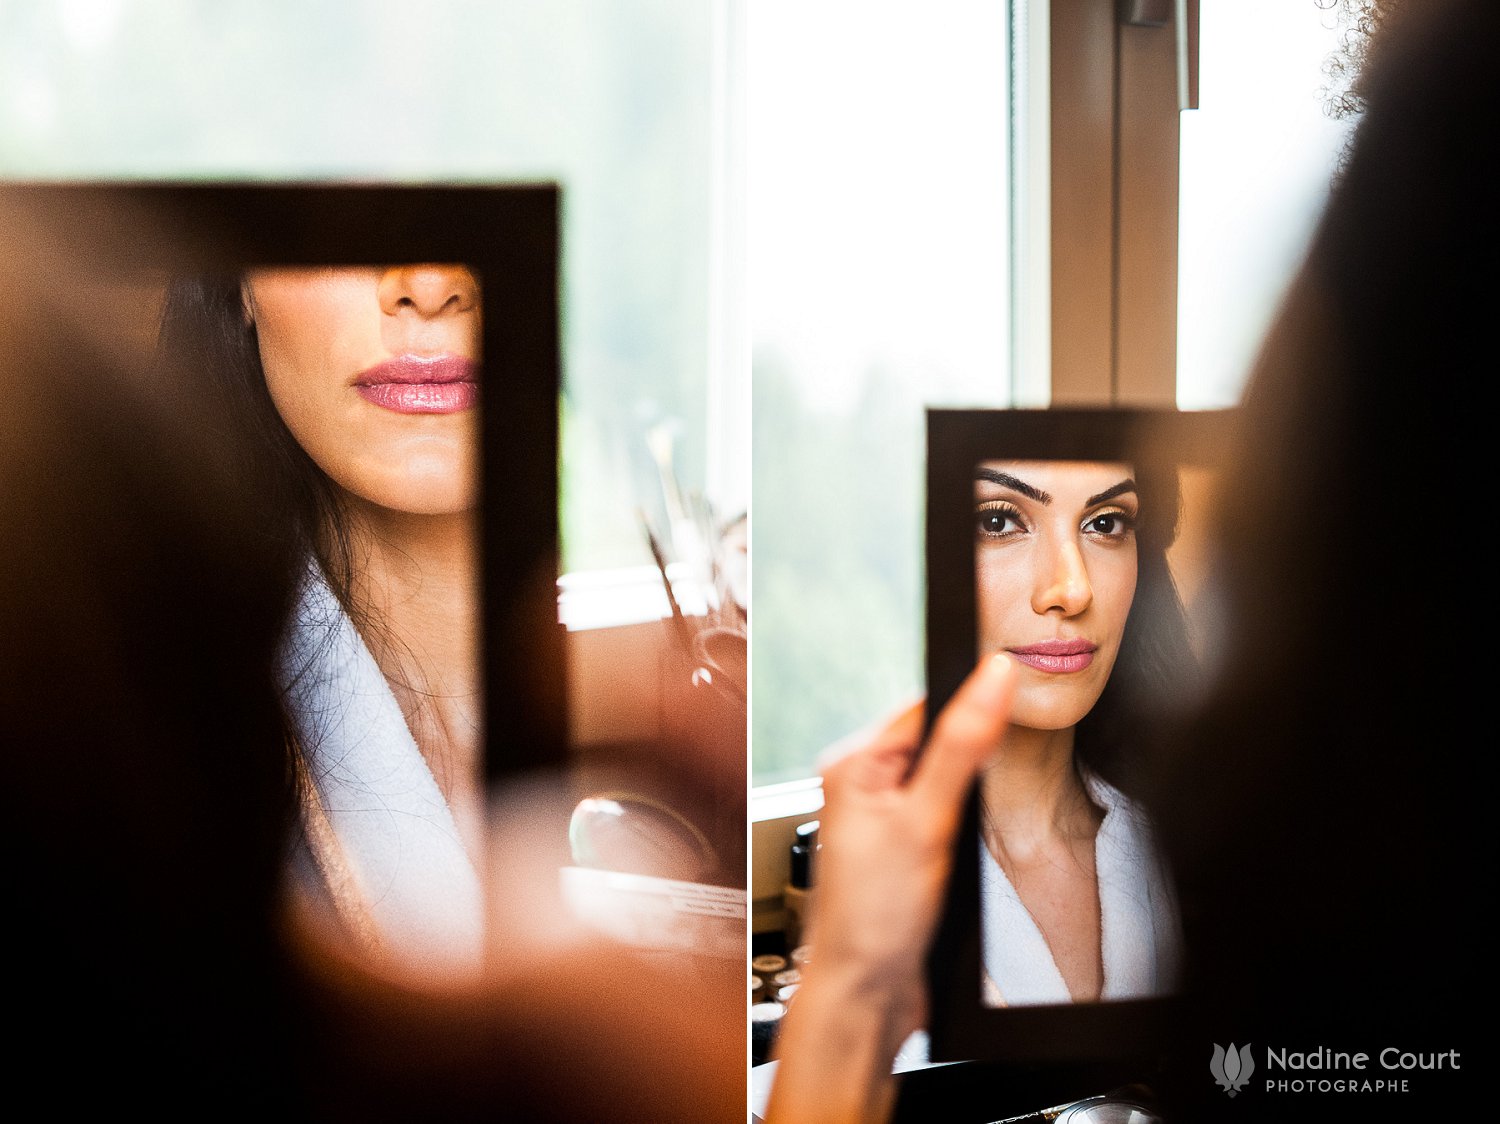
(415, 579)
(1032, 794)
(1041, 827)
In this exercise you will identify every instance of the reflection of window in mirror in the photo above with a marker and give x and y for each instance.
(359, 389)
(1072, 580)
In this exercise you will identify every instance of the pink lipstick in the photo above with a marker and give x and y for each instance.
(421, 384)
(1056, 656)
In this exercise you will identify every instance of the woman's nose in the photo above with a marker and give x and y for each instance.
(428, 290)
(1062, 582)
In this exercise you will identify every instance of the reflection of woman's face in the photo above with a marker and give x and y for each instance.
(1056, 564)
(375, 372)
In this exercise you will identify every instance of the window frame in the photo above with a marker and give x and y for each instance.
(1097, 89)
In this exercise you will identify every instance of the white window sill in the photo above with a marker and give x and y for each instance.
(593, 599)
(775, 812)
(784, 801)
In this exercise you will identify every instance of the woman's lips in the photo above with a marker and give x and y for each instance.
(1057, 656)
(420, 384)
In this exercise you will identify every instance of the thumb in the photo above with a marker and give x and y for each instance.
(966, 732)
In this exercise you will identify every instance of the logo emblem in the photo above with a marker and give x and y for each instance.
(1232, 1068)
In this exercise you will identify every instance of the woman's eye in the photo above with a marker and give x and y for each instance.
(996, 522)
(1111, 524)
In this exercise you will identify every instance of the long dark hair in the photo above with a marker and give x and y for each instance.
(205, 334)
(1156, 671)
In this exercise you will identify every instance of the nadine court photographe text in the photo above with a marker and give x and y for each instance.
(1322, 1070)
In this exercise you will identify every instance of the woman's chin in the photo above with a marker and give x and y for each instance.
(447, 487)
(447, 500)
(457, 502)
(1051, 714)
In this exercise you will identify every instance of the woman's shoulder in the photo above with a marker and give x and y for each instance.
(1106, 795)
(1125, 819)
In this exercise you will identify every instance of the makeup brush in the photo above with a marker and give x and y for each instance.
(679, 621)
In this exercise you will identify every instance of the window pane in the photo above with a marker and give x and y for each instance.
(1257, 160)
(879, 284)
(613, 98)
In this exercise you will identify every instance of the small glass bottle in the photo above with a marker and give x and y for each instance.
(797, 896)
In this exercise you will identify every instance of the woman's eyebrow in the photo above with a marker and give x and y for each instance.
(1110, 493)
(1006, 480)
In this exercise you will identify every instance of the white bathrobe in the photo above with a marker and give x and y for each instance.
(380, 836)
(1140, 931)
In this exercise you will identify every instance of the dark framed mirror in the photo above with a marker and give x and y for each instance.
(1076, 541)
(384, 367)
